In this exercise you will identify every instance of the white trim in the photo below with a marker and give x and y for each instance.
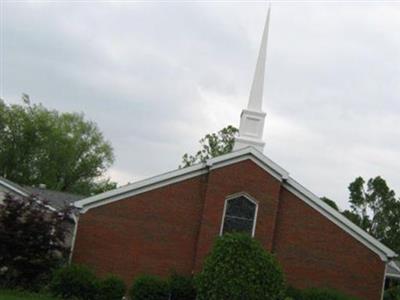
(394, 266)
(23, 193)
(140, 187)
(391, 275)
(337, 218)
(76, 220)
(383, 282)
(13, 188)
(234, 196)
(180, 175)
(218, 162)
(256, 156)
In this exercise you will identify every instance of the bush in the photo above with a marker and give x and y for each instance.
(147, 287)
(239, 268)
(316, 294)
(294, 293)
(32, 241)
(111, 288)
(74, 282)
(392, 293)
(181, 287)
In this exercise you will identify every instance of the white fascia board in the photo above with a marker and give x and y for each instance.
(182, 174)
(141, 187)
(231, 158)
(391, 275)
(394, 266)
(337, 218)
(256, 156)
(24, 194)
(14, 189)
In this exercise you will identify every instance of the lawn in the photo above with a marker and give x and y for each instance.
(17, 295)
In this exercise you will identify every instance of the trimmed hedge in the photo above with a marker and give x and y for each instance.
(239, 268)
(181, 287)
(316, 294)
(79, 282)
(111, 288)
(148, 287)
(74, 281)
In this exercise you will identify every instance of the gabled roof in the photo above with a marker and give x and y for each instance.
(393, 269)
(13, 187)
(56, 200)
(236, 156)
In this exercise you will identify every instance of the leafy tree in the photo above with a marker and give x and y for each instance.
(212, 145)
(374, 207)
(330, 202)
(32, 240)
(62, 150)
(239, 268)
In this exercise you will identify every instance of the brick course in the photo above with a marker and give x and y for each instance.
(173, 228)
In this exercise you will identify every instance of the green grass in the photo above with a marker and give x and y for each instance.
(19, 295)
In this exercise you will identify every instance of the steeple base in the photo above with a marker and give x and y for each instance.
(250, 130)
(241, 143)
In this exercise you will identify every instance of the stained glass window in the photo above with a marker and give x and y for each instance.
(239, 215)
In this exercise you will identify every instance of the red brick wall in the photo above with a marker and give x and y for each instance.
(245, 177)
(154, 232)
(173, 228)
(314, 252)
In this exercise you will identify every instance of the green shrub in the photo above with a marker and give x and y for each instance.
(32, 242)
(147, 287)
(181, 287)
(317, 294)
(239, 268)
(294, 293)
(111, 288)
(392, 293)
(74, 281)
(324, 294)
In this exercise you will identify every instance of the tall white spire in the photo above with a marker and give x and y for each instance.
(257, 88)
(252, 119)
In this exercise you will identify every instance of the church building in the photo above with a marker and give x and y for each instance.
(169, 222)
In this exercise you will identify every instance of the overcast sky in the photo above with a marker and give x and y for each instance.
(157, 76)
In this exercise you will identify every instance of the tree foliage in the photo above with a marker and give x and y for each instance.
(239, 268)
(392, 293)
(62, 150)
(330, 202)
(32, 240)
(212, 145)
(374, 207)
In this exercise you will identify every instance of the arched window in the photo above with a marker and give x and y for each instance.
(239, 215)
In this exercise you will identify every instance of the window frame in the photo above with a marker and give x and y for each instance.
(234, 196)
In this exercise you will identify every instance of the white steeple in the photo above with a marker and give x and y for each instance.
(252, 119)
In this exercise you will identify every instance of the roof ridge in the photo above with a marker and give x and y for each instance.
(233, 157)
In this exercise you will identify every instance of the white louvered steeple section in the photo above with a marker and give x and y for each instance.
(252, 119)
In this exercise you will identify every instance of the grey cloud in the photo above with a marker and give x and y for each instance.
(158, 76)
